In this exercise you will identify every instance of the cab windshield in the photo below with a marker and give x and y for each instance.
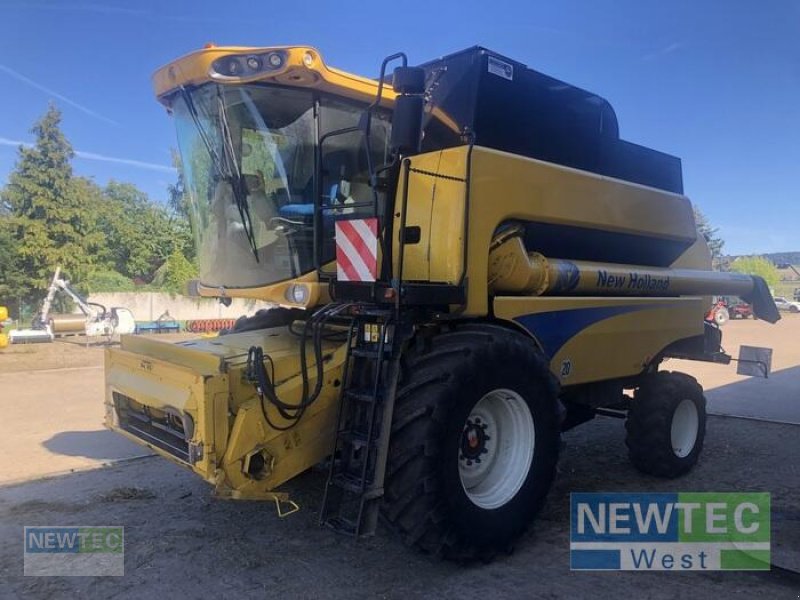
(248, 155)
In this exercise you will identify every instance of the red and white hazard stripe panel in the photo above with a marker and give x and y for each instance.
(357, 249)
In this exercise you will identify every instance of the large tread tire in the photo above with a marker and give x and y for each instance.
(442, 378)
(650, 419)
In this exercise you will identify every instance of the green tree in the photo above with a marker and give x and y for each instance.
(175, 273)
(140, 234)
(50, 222)
(178, 199)
(711, 233)
(757, 265)
(9, 270)
(106, 280)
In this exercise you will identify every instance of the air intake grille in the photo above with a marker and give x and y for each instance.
(161, 429)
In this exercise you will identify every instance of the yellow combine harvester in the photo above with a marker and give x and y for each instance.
(468, 260)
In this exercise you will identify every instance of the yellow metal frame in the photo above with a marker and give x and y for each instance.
(504, 187)
(606, 338)
(205, 379)
(195, 68)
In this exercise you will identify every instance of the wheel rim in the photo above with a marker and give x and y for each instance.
(496, 448)
(685, 424)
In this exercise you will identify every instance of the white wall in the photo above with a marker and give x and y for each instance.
(149, 306)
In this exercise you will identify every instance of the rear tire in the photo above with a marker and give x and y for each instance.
(475, 441)
(666, 424)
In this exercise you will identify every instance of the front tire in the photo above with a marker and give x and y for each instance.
(474, 444)
(666, 424)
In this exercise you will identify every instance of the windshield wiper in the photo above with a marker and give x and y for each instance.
(228, 168)
(187, 98)
(234, 175)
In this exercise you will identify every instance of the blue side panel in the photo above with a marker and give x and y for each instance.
(556, 328)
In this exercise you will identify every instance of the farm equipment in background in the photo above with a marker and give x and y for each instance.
(3, 323)
(718, 313)
(451, 247)
(729, 307)
(740, 310)
(209, 325)
(163, 324)
(95, 321)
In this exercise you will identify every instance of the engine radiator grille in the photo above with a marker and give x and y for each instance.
(165, 430)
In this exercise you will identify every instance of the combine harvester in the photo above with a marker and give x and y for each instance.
(95, 321)
(469, 261)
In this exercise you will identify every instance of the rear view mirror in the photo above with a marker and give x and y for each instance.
(409, 83)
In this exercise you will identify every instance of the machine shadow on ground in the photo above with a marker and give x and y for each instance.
(100, 444)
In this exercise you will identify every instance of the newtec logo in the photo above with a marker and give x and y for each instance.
(74, 551)
(670, 532)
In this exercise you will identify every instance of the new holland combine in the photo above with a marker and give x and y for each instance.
(468, 261)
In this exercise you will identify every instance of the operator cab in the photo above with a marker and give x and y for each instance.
(249, 154)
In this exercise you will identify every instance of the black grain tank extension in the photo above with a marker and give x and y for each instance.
(507, 106)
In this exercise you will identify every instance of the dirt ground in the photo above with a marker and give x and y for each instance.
(180, 542)
(66, 353)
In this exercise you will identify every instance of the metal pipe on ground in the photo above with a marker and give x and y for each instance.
(68, 324)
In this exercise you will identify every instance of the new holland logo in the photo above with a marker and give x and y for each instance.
(670, 532)
(357, 249)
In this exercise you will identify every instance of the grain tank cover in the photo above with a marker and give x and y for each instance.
(507, 106)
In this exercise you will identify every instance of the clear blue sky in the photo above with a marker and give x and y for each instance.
(714, 82)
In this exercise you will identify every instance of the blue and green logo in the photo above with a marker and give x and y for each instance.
(670, 532)
(66, 551)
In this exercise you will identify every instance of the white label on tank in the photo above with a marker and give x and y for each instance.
(501, 68)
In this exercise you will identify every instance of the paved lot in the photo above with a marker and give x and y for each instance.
(180, 542)
(52, 423)
(776, 398)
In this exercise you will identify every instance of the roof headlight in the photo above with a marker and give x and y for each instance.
(233, 67)
(247, 65)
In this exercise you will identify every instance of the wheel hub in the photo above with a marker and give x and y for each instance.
(474, 441)
(496, 448)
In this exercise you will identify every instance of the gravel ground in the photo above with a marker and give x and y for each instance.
(180, 542)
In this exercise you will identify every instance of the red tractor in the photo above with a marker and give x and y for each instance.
(718, 313)
(726, 308)
(740, 310)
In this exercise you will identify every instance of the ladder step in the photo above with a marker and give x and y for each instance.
(355, 481)
(361, 395)
(366, 353)
(342, 525)
(352, 483)
(357, 439)
(348, 482)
